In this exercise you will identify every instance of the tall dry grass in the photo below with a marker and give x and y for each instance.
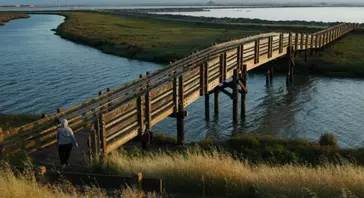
(12, 186)
(214, 173)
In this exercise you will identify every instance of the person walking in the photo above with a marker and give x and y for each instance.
(66, 139)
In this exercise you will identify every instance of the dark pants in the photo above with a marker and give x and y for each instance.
(64, 152)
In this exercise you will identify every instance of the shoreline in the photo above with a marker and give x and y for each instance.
(6, 17)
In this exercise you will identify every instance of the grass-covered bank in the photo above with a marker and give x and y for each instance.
(247, 166)
(151, 38)
(344, 58)
(8, 121)
(7, 16)
(200, 173)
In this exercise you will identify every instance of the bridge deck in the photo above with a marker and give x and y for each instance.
(113, 118)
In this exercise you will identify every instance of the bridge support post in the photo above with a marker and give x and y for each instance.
(207, 106)
(181, 109)
(216, 101)
(148, 119)
(267, 76)
(244, 78)
(290, 56)
(235, 95)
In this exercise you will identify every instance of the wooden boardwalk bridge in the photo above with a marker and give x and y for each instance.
(110, 120)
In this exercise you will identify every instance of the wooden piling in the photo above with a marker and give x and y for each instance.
(271, 74)
(289, 57)
(181, 109)
(235, 95)
(244, 78)
(267, 75)
(207, 107)
(216, 100)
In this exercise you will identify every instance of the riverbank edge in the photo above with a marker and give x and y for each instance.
(13, 17)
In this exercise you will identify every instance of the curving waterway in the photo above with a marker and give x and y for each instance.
(40, 72)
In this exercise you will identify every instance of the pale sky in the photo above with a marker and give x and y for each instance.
(168, 1)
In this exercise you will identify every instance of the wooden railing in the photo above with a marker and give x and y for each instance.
(134, 108)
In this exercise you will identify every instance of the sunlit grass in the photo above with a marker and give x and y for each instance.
(12, 186)
(213, 173)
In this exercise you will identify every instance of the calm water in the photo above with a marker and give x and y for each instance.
(40, 72)
(328, 14)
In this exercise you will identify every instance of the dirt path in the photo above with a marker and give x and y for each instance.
(49, 156)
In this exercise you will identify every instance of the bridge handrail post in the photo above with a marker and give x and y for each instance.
(306, 47)
(256, 51)
(180, 117)
(270, 46)
(290, 39)
(296, 41)
(148, 115)
(103, 141)
(281, 43)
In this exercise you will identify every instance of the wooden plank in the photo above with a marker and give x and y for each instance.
(162, 96)
(126, 107)
(114, 145)
(160, 90)
(121, 118)
(162, 103)
(162, 114)
(122, 130)
(191, 97)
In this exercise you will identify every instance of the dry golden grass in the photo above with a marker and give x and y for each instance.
(12, 186)
(219, 174)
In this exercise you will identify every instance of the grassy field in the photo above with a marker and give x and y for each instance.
(343, 58)
(12, 186)
(200, 173)
(5, 17)
(153, 39)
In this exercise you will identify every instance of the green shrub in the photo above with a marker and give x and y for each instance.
(328, 139)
